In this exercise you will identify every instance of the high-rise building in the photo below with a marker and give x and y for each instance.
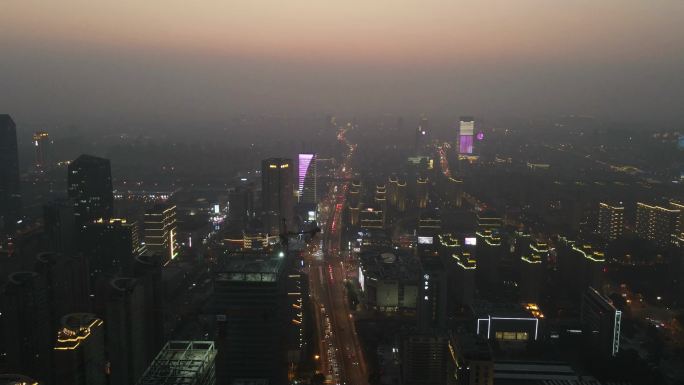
(277, 193)
(27, 333)
(422, 133)
(424, 359)
(432, 298)
(307, 179)
(611, 221)
(466, 132)
(241, 205)
(422, 192)
(249, 301)
(401, 195)
(601, 322)
(182, 362)
(41, 145)
(657, 223)
(10, 195)
(59, 226)
(66, 280)
(675, 205)
(126, 331)
(80, 351)
(532, 270)
(90, 188)
(463, 267)
(110, 244)
(160, 234)
(580, 266)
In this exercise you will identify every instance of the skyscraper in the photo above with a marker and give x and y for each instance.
(27, 333)
(466, 130)
(277, 193)
(90, 187)
(656, 223)
(250, 304)
(611, 221)
(41, 144)
(10, 196)
(601, 321)
(307, 179)
(160, 231)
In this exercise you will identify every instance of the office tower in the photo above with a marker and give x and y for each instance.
(392, 189)
(455, 191)
(80, 351)
(59, 226)
(307, 179)
(611, 221)
(147, 270)
(66, 281)
(424, 359)
(126, 331)
(372, 217)
(422, 192)
(401, 195)
(277, 193)
(466, 130)
(422, 133)
(463, 267)
(471, 361)
(160, 234)
(532, 270)
(656, 223)
(489, 254)
(433, 291)
(90, 188)
(601, 322)
(27, 333)
(41, 143)
(182, 362)
(110, 244)
(249, 301)
(10, 195)
(241, 205)
(380, 201)
(580, 266)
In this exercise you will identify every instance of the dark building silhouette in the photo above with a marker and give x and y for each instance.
(10, 194)
(601, 322)
(59, 226)
(241, 205)
(277, 193)
(27, 333)
(90, 188)
(126, 331)
(249, 301)
(66, 281)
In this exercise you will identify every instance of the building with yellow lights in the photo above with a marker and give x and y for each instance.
(160, 232)
(80, 351)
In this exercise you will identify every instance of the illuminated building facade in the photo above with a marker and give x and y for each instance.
(277, 193)
(80, 351)
(10, 195)
(401, 195)
(390, 281)
(182, 363)
(657, 223)
(89, 182)
(507, 323)
(601, 322)
(580, 266)
(160, 233)
(307, 179)
(466, 132)
(611, 221)
(372, 218)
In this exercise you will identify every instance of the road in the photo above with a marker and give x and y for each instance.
(342, 358)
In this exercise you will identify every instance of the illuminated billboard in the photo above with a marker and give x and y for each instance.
(425, 240)
(470, 241)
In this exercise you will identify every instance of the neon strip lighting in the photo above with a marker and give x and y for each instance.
(304, 163)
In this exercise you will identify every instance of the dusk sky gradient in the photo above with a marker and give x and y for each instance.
(153, 60)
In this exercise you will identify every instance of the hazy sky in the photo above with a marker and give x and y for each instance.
(77, 60)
